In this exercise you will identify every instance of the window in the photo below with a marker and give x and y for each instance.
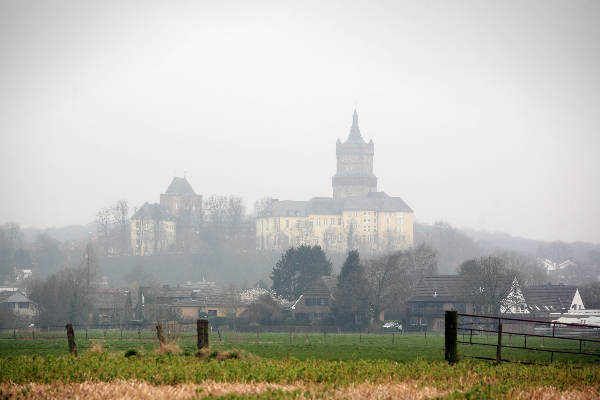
(356, 213)
(332, 221)
(23, 305)
(287, 223)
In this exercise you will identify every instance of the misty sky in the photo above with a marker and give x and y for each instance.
(485, 114)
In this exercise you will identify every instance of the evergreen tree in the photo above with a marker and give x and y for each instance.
(351, 303)
(297, 268)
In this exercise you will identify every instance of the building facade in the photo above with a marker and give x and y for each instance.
(159, 228)
(356, 217)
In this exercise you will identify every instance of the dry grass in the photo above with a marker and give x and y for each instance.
(96, 347)
(133, 390)
(171, 348)
(548, 393)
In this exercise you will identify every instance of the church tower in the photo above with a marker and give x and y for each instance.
(354, 176)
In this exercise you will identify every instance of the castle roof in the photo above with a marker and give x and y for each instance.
(180, 186)
(355, 136)
(152, 211)
(374, 201)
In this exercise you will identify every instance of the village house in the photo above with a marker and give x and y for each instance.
(315, 302)
(19, 304)
(434, 295)
(113, 306)
(544, 300)
(202, 299)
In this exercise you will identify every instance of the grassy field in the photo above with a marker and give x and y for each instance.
(301, 346)
(318, 366)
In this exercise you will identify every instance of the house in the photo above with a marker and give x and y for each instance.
(19, 304)
(113, 305)
(434, 295)
(543, 300)
(315, 301)
(191, 302)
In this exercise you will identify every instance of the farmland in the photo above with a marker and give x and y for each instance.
(279, 365)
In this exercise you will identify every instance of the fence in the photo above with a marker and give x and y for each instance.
(517, 336)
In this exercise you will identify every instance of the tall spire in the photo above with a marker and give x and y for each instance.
(354, 130)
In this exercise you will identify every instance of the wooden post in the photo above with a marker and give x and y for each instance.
(393, 337)
(139, 334)
(15, 334)
(71, 339)
(33, 333)
(323, 337)
(360, 336)
(451, 336)
(121, 333)
(499, 346)
(219, 333)
(202, 330)
(425, 334)
(86, 336)
(160, 334)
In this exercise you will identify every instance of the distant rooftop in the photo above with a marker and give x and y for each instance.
(180, 186)
(375, 201)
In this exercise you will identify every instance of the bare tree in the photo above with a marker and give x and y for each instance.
(103, 221)
(120, 217)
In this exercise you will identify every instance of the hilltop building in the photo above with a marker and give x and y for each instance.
(158, 228)
(356, 217)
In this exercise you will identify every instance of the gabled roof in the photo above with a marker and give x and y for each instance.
(180, 186)
(13, 297)
(207, 293)
(556, 297)
(152, 211)
(324, 286)
(439, 288)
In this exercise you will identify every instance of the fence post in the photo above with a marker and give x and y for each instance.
(202, 331)
(86, 336)
(393, 337)
(219, 333)
(451, 337)
(15, 334)
(71, 339)
(159, 333)
(33, 333)
(499, 346)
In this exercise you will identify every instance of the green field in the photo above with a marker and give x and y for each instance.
(316, 365)
(301, 346)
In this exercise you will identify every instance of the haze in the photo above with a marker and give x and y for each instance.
(484, 114)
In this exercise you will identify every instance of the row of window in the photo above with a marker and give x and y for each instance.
(314, 301)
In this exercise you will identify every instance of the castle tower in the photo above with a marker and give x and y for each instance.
(354, 176)
(180, 199)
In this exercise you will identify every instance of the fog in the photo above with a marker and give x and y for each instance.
(483, 114)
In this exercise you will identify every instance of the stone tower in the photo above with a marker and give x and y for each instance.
(354, 176)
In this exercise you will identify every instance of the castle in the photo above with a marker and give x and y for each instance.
(356, 217)
(158, 228)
